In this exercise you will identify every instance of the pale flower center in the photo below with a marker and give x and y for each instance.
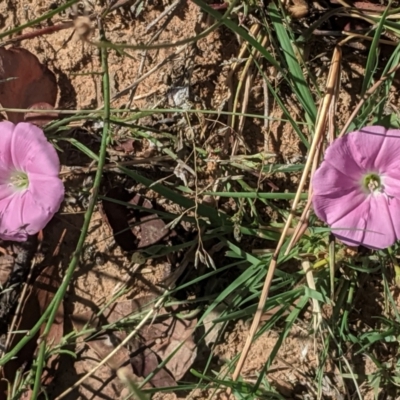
(372, 183)
(19, 180)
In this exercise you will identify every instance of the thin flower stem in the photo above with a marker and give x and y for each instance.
(51, 311)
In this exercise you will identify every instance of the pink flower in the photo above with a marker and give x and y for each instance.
(31, 191)
(357, 187)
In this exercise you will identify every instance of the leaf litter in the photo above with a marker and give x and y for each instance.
(168, 338)
(38, 297)
(132, 228)
(24, 83)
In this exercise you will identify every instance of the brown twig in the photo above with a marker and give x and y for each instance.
(319, 130)
(58, 27)
(40, 32)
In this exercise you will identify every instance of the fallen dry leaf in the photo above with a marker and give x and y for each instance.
(37, 300)
(127, 146)
(104, 343)
(24, 81)
(147, 230)
(152, 228)
(154, 343)
(364, 5)
(30, 314)
(163, 336)
(38, 118)
(145, 362)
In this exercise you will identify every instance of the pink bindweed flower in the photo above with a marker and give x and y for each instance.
(31, 191)
(357, 187)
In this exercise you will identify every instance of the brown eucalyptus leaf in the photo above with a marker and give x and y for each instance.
(143, 362)
(104, 343)
(24, 81)
(127, 146)
(146, 362)
(147, 229)
(39, 118)
(152, 228)
(154, 343)
(98, 348)
(163, 336)
(167, 337)
(29, 316)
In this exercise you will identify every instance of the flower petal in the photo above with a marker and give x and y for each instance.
(391, 186)
(6, 189)
(27, 212)
(329, 180)
(335, 206)
(365, 146)
(388, 161)
(380, 232)
(394, 208)
(340, 156)
(31, 152)
(11, 226)
(45, 197)
(350, 228)
(369, 225)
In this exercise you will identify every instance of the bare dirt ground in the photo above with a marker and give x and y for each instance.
(142, 79)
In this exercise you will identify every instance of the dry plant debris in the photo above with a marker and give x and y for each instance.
(37, 299)
(169, 338)
(132, 228)
(24, 83)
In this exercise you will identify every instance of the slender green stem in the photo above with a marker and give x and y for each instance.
(51, 311)
(256, 195)
(44, 17)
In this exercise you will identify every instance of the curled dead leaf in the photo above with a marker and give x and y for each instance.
(24, 81)
(83, 27)
(151, 228)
